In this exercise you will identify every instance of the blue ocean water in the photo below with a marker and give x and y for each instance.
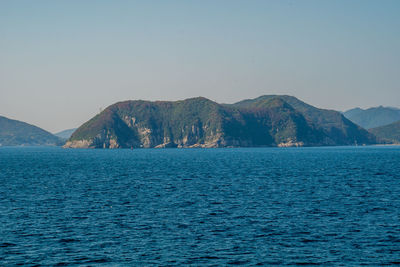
(251, 206)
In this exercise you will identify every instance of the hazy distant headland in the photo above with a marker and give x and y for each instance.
(65, 134)
(373, 117)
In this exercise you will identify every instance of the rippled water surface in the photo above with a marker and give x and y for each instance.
(265, 206)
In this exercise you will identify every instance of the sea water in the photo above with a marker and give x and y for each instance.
(265, 206)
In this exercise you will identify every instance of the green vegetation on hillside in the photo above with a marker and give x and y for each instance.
(18, 133)
(388, 133)
(200, 122)
(335, 129)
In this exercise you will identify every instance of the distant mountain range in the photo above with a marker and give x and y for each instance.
(18, 133)
(388, 133)
(271, 120)
(373, 117)
(65, 134)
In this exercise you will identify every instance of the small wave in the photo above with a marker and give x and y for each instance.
(62, 264)
(6, 244)
(206, 258)
(307, 263)
(238, 262)
(68, 240)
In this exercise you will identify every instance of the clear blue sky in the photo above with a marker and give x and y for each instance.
(60, 61)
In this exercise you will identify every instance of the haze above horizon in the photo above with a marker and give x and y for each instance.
(61, 61)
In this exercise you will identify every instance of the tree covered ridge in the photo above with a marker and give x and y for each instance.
(17, 133)
(199, 122)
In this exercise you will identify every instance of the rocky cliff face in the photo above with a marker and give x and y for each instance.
(199, 122)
